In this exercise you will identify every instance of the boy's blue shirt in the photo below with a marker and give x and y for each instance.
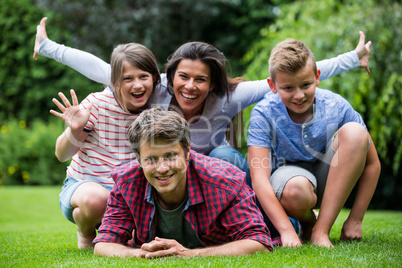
(272, 128)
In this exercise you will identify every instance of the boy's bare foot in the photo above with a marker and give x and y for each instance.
(321, 240)
(351, 230)
(85, 242)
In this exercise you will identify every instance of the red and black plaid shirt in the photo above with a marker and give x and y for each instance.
(220, 208)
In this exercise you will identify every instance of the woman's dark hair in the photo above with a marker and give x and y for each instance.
(209, 55)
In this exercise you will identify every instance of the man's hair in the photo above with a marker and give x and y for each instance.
(290, 56)
(137, 55)
(157, 123)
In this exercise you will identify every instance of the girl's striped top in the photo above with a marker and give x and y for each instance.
(107, 145)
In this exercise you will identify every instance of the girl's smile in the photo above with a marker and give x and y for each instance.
(136, 87)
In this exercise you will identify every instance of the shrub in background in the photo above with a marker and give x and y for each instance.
(27, 86)
(27, 153)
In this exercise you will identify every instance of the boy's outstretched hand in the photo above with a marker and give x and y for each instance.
(40, 36)
(363, 51)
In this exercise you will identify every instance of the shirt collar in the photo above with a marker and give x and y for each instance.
(194, 189)
(149, 197)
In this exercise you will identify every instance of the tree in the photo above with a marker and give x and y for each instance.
(27, 87)
(162, 25)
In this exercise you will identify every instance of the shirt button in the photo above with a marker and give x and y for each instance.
(307, 146)
(305, 136)
(303, 126)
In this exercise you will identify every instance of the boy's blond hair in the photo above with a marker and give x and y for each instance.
(290, 56)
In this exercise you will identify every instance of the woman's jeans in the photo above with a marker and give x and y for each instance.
(231, 155)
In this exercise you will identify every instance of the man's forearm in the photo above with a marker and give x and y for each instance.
(235, 248)
(114, 249)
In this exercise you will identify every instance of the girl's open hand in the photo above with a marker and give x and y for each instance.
(74, 117)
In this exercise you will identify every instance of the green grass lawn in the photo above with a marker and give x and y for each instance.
(33, 233)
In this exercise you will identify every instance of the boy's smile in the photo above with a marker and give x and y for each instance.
(297, 91)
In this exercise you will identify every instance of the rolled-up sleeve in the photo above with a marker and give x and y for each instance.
(243, 219)
(117, 224)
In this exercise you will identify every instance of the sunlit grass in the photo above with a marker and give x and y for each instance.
(33, 233)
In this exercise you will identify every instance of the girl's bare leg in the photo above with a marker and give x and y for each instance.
(89, 203)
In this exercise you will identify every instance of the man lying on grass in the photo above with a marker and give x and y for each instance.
(175, 202)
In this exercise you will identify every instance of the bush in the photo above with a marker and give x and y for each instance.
(27, 153)
(27, 86)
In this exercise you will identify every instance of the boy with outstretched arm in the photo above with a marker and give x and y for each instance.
(307, 149)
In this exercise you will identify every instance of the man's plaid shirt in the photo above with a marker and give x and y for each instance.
(220, 208)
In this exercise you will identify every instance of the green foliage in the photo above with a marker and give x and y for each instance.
(161, 25)
(27, 87)
(97, 26)
(27, 153)
(331, 27)
(34, 233)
